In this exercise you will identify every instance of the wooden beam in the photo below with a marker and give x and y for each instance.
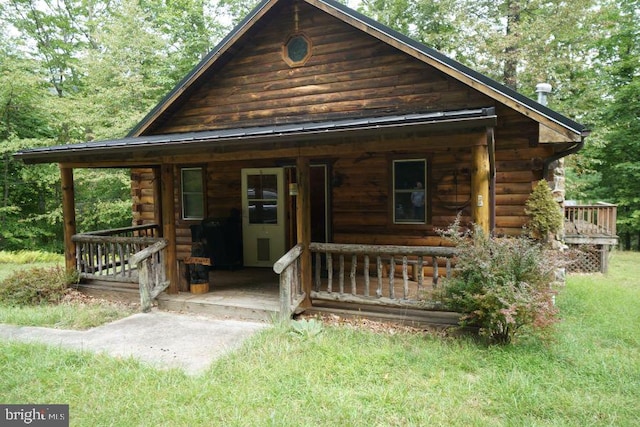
(303, 220)
(169, 226)
(337, 144)
(480, 179)
(69, 217)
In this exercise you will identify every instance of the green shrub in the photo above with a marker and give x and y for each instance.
(545, 215)
(35, 286)
(501, 286)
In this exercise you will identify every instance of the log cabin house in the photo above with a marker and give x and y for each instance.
(324, 146)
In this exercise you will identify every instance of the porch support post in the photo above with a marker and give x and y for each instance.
(480, 178)
(69, 217)
(169, 227)
(157, 203)
(303, 220)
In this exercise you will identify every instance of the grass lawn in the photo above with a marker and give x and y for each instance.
(589, 374)
(12, 261)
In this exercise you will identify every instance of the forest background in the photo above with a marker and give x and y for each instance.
(82, 70)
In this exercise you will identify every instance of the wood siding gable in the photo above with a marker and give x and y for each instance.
(338, 35)
(349, 74)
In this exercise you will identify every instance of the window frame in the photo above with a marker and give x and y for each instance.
(285, 50)
(426, 219)
(183, 193)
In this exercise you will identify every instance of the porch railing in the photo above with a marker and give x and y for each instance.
(590, 220)
(105, 255)
(404, 276)
(401, 276)
(291, 293)
(152, 276)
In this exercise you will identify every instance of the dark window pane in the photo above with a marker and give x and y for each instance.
(192, 194)
(193, 206)
(297, 49)
(192, 180)
(263, 212)
(262, 187)
(410, 193)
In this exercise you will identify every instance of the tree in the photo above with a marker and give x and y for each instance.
(618, 159)
(78, 70)
(27, 193)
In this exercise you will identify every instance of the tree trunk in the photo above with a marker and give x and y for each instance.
(512, 52)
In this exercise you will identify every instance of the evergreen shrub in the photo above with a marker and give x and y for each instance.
(545, 214)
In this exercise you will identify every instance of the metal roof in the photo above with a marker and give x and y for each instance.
(343, 11)
(310, 130)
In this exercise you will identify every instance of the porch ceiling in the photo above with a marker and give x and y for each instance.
(153, 147)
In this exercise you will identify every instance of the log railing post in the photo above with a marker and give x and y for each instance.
(149, 280)
(291, 293)
(303, 217)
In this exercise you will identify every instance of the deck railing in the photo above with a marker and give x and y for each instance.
(590, 220)
(152, 276)
(105, 255)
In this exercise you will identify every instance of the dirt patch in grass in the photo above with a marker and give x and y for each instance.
(73, 296)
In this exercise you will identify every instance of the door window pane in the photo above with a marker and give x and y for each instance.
(262, 199)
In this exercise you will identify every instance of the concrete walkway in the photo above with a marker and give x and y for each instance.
(163, 340)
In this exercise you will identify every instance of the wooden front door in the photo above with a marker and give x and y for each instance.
(263, 219)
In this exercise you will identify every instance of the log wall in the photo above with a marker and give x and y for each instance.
(348, 74)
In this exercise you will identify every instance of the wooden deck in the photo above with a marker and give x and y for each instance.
(591, 231)
(590, 224)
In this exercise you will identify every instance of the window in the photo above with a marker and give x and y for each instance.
(192, 193)
(297, 50)
(409, 191)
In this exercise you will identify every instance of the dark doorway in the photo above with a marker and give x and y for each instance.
(319, 189)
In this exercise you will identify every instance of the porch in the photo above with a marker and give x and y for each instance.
(391, 283)
(591, 229)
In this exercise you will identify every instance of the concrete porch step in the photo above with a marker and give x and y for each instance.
(221, 306)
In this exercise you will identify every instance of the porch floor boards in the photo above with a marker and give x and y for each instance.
(245, 294)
